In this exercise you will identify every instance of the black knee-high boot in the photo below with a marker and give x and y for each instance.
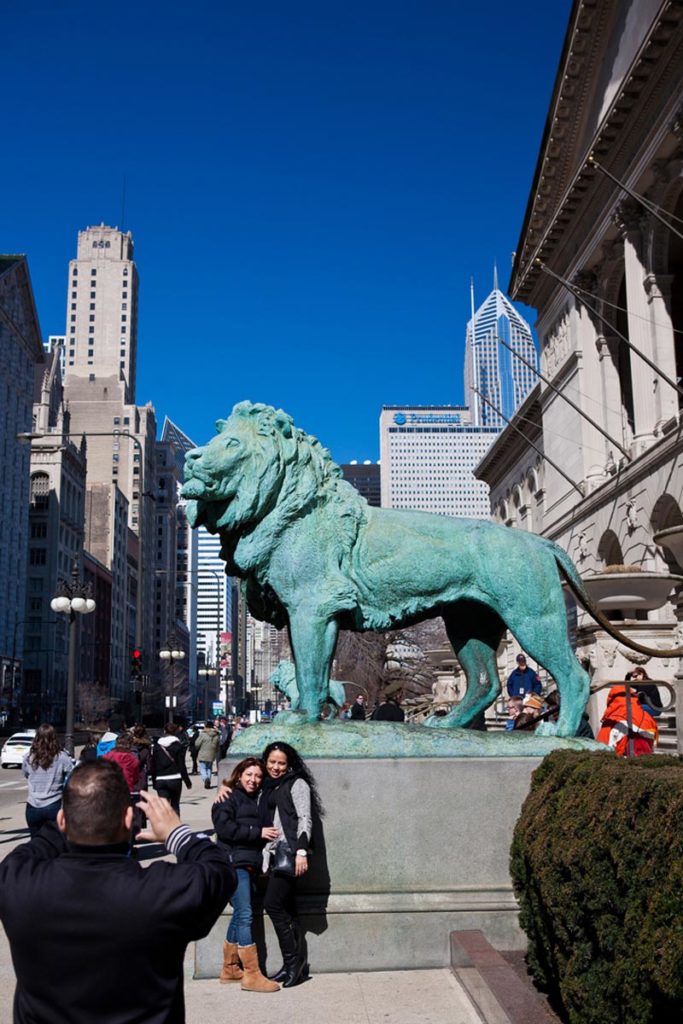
(293, 961)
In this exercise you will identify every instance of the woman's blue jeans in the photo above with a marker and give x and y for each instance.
(239, 929)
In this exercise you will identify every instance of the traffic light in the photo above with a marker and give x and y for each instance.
(136, 664)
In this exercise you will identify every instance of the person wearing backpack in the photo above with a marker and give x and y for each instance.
(168, 767)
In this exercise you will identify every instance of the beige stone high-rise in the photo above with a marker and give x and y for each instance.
(102, 308)
(99, 390)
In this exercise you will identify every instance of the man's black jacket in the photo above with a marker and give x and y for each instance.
(97, 939)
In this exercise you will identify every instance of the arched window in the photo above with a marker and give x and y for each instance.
(40, 489)
(609, 549)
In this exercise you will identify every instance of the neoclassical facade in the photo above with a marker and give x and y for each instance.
(600, 257)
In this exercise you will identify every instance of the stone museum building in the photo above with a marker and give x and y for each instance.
(594, 458)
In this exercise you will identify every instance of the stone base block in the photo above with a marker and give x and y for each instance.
(409, 850)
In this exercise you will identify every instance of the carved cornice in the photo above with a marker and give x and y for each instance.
(563, 185)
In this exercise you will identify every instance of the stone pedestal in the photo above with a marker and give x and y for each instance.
(409, 850)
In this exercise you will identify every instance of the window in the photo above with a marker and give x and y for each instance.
(124, 295)
(92, 295)
(125, 271)
(38, 556)
(123, 317)
(38, 530)
(92, 305)
(73, 318)
(92, 317)
(123, 328)
(93, 273)
(117, 421)
(91, 330)
(73, 305)
(72, 330)
(73, 294)
(90, 352)
(124, 305)
(75, 271)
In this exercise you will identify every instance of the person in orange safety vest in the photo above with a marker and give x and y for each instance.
(614, 731)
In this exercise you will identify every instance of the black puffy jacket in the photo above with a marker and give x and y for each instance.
(238, 827)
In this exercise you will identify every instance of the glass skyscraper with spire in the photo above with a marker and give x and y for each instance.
(491, 369)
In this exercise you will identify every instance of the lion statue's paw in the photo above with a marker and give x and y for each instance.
(440, 722)
(298, 717)
(546, 729)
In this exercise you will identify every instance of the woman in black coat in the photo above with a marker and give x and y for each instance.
(288, 801)
(240, 830)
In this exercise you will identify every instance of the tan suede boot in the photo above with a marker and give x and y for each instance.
(253, 980)
(231, 964)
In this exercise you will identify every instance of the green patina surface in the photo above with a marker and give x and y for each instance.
(315, 557)
(396, 739)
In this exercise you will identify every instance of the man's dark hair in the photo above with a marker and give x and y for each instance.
(96, 798)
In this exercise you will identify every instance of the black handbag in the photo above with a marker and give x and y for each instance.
(283, 859)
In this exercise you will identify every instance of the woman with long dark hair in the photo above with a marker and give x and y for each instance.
(288, 802)
(239, 829)
(46, 766)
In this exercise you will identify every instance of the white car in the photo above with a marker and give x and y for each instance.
(14, 749)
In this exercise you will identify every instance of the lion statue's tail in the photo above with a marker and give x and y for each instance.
(575, 583)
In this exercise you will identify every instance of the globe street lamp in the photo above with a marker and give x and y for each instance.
(72, 598)
(171, 653)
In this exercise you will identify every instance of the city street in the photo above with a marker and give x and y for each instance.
(404, 997)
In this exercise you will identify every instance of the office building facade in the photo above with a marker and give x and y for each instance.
(20, 351)
(427, 457)
(102, 308)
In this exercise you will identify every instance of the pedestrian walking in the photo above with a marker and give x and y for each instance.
(168, 767)
(208, 742)
(390, 709)
(523, 680)
(193, 733)
(47, 767)
(95, 937)
(288, 801)
(358, 709)
(127, 760)
(239, 829)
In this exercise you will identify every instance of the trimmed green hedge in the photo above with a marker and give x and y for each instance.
(597, 866)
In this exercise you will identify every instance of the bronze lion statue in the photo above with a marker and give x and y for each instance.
(316, 558)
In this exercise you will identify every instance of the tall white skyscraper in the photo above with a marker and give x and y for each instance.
(102, 308)
(493, 369)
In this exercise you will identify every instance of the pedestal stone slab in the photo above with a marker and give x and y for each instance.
(408, 851)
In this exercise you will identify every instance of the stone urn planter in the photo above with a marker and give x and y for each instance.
(673, 540)
(630, 589)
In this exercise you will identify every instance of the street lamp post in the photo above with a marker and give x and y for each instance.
(205, 673)
(73, 597)
(171, 653)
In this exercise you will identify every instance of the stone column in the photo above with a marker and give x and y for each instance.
(592, 384)
(658, 288)
(639, 326)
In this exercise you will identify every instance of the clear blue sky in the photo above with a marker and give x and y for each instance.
(309, 185)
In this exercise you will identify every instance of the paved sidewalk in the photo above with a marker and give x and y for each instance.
(399, 997)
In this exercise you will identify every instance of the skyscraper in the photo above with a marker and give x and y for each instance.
(490, 367)
(102, 308)
(428, 454)
(99, 391)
